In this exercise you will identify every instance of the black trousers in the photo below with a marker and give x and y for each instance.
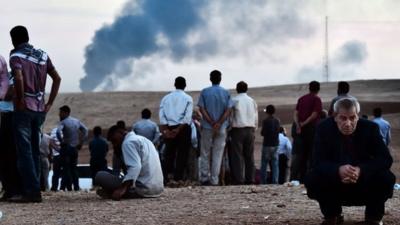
(69, 157)
(9, 174)
(302, 156)
(57, 172)
(176, 153)
(283, 167)
(241, 151)
(372, 191)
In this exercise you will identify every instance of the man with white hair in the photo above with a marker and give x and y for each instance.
(350, 165)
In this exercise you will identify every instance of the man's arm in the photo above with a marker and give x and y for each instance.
(19, 89)
(85, 133)
(221, 120)
(54, 89)
(3, 80)
(296, 121)
(311, 118)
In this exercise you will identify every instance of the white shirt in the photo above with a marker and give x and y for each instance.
(55, 143)
(176, 108)
(285, 147)
(245, 111)
(143, 165)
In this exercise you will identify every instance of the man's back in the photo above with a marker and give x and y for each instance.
(384, 128)
(35, 64)
(215, 100)
(175, 108)
(245, 113)
(306, 105)
(143, 163)
(270, 131)
(146, 128)
(98, 148)
(70, 128)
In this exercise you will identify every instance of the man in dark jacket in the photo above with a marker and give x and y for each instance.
(351, 165)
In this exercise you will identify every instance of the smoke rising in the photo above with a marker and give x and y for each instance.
(346, 63)
(186, 30)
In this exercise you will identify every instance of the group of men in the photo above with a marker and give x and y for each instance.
(342, 160)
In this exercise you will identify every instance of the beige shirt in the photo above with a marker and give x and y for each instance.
(244, 111)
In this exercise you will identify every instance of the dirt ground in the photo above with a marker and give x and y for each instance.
(270, 204)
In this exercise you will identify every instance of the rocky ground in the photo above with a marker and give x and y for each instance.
(271, 204)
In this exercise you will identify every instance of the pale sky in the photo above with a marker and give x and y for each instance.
(260, 42)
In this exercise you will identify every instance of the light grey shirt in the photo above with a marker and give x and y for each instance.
(176, 108)
(68, 131)
(147, 129)
(143, 165)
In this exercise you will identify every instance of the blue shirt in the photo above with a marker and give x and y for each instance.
(98, 148)
(215, 100)
(384, 128)
(147, 129)
(68, 131)
(176, 108)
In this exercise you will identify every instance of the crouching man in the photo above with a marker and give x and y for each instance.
(144, 175)
(351, 166)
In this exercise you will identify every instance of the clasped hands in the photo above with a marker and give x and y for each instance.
(349, 174)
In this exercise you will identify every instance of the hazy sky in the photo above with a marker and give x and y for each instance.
(144, 45)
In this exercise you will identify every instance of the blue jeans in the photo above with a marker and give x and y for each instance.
(27, 137)
(269, 155)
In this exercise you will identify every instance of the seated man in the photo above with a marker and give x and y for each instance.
(144, 176)
(351, 165)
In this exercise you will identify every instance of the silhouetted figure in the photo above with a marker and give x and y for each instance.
(351, 165)
(30, 67)
(269, 154)
(342, 92)
(384, 126)
(45, 155)
(306, 117)
(10, 179)
(284, 154)
(98, 148)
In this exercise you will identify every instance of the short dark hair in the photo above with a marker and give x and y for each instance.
(215, 77)
(241, 87)
(343, 87)
(97, 131)
(65, 108)
(180, 83)
(146, 113)
(121, 124)
(313, 86)
(377, 112)
(19, 35)
(112, 130)
(270, 109)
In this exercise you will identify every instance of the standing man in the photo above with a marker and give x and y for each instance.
(10, 179)
(55, 148)
(45, 154)
(215, 106)
(351, 166)
(269, 154)
(30, 67)
(342, 92)
(68, 131)
(98, 148)
(384, 126)
(176, 110)
(244, 122)
(144, 177)
(147, 128)
(306, 117)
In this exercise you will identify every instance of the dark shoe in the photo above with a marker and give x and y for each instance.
(103, 194)
(373, 222)
(330, 221)
(26, 199)
(206, 183)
